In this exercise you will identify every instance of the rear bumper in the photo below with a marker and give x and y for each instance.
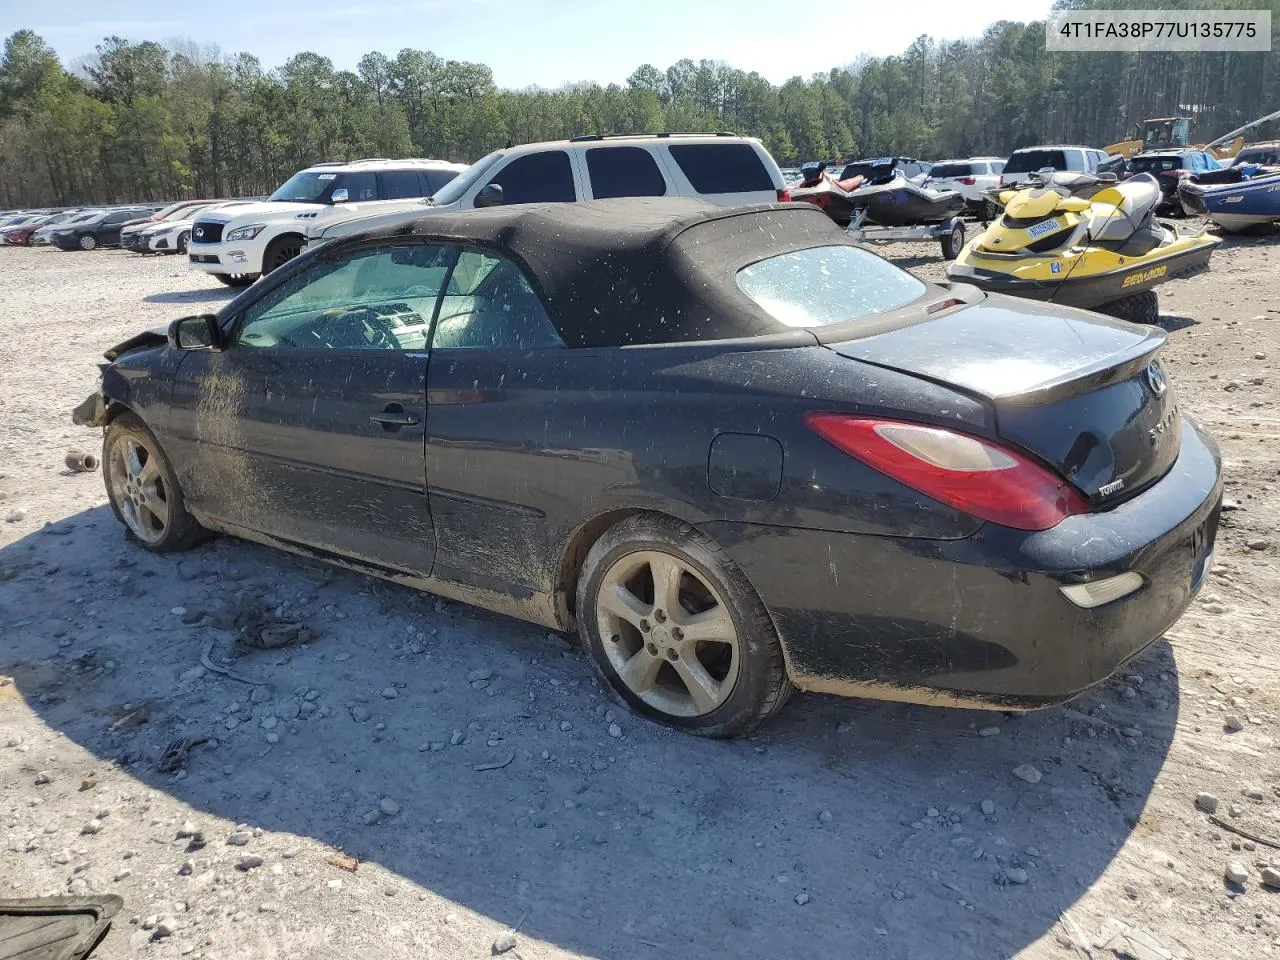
(982, 622)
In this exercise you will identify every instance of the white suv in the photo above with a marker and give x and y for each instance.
(721, 168)
(239, 244)
(972, 177)
(1023, 163)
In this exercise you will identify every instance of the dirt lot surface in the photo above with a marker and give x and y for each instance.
(486, 787)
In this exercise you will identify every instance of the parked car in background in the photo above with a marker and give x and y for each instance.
(174, 234)
(1266, 153)
(1059, 158)
(24, 235)
(971, 178)
(44, 233)
(685, 432)
(1171, 166)
(100, 229)
(16, 230)
(238, 246)
(723, 169)
(131, 230)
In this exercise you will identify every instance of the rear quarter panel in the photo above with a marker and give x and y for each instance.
(536, 445)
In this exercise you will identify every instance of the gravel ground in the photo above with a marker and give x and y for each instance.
(491, 799)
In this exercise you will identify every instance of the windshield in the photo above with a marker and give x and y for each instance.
(176, 212)
(826, 285)
(310, 186)
(454, 190)
(1031, 160)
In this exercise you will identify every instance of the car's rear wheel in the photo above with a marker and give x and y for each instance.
(236, 279)
(1140, 308)
(677, 632)
(88, 242)
(143, 489)
(280, 251)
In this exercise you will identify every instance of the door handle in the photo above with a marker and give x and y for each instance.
(393, 417)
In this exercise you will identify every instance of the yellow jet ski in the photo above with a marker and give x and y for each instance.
(1106, 252)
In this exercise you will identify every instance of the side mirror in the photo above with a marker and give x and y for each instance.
(490, 195)
(340, 195)
(195, 333)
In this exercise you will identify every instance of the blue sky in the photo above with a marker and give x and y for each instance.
(544, 42)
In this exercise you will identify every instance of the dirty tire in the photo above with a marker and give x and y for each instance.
(280, 251)
(1140, 308)
(235, 279)
(760, 684)
(953, 242)
(181, 531)
(88, 242)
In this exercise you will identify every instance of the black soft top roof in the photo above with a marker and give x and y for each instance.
(641, 270)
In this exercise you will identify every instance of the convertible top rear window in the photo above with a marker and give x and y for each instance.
(826, 285)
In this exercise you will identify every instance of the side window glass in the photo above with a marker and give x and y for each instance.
(624, 172)
(379, 299)
(401, 185)
(433, 180)
(360, 186)
(545, 177)
(997, 167)
(490, 305)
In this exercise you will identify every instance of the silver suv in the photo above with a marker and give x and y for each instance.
(721, 168)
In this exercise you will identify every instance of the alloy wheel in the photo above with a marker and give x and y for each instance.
(284, 254)
(668, 633)
(88, 242)
(139, 488)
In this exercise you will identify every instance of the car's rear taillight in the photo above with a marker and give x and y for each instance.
(968, 181)
(784, 195)
(1180, 174)
(1002, 181)
(976, 476)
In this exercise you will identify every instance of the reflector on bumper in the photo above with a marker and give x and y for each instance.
(1099, 592)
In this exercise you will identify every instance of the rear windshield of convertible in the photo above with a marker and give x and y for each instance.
(826, 285)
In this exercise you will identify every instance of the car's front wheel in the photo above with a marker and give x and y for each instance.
(235, 279)
(280, 251)
(676, 630)
(88, 242)
(143, 488)
(183, 239)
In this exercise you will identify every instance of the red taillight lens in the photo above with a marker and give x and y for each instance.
(1181, 173)
(976, 476)
(968, 181)
(1002, 181)
(784, 195)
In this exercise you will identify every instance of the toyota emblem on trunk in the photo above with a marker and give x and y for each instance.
(1155, 378)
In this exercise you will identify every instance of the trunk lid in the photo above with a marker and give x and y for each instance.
(1081, 391)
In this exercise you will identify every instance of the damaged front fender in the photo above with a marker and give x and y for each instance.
(91, 412)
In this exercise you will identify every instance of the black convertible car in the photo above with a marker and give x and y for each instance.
(736, 450)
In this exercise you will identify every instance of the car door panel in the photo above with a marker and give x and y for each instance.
(283, 443)
(495, 364)
(310, 427)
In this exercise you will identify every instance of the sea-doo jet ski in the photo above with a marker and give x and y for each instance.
(1107, 252)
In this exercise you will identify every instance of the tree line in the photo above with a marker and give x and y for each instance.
(142, 121)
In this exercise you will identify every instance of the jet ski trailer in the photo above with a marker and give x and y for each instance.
(949, 233)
